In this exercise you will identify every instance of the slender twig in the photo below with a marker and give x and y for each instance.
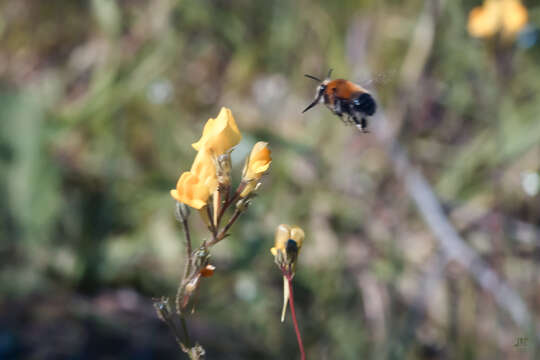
(187, 265)
(293, 313)
(211, 220)
(186, 332)
(229, 201)
(221, 235)
(189, 250)
(174, 330)
(162, 309)
(227, 196)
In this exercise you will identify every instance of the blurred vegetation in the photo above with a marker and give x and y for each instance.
(99, 104)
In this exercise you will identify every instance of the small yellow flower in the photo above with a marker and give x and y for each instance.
(191, 191)
(220, 134)
(256, 165)
(505, 16)
(288, 242)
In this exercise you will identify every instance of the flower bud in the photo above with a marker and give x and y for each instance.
(256, 165)
(181, 212)
(208, 270)
(287, 244)
(242, 204)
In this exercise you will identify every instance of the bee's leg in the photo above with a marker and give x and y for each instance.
(360, 123)
(338, 108)
(363, 124)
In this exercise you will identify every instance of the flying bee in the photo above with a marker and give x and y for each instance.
(343, 97)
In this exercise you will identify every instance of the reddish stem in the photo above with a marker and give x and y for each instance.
(293, 313)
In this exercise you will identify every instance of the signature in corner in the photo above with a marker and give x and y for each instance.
(521, 342)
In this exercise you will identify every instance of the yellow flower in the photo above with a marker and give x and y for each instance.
(505, 16)
(205, 168)
(287, 238)
(191, 190)
(259, 161)
(287, 244)
(256, 165)
(219, 134)
(515, 18)
(194, 187)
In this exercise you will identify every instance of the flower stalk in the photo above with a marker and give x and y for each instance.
(293, 314)
(207, 188)
(288, 242)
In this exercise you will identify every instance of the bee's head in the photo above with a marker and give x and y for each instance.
(320, 89)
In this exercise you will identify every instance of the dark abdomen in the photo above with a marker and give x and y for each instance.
(364, 103)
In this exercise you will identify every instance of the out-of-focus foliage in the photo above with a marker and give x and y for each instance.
(99, 104)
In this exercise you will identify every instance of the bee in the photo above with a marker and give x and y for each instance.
(343, 97)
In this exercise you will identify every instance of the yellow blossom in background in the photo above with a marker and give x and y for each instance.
(515, 17)
(220, 134)
(191, 191)
(505, 16)
(257, 164)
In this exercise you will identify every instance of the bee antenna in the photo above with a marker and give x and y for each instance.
(313, 77)
(329, 73)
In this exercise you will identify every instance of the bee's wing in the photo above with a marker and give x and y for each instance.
(382, 78)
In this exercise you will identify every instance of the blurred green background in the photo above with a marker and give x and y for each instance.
(100, 101)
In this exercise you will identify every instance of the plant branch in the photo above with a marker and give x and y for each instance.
(230, 200)
(221, 235)
(211, 220)
(189, 249)
(187, 261)
(186, 332)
